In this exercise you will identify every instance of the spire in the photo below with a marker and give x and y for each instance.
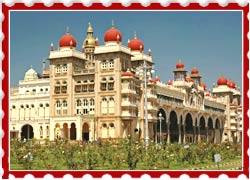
(31, 66)
(90, 29)
(67, 29)
(113, 24)
(135, 37)
(51, 47)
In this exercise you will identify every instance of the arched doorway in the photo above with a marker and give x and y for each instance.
(189, 130)
(160, 115)
(210, 130)
(27, 132)
(85, 132)
(173, 127)
(217, 132)
(65, 130)
(73, 131)
(203, 131)
(57, 131)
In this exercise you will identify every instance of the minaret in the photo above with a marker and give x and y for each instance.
(195, 76)
(180, 72)
(89, 44)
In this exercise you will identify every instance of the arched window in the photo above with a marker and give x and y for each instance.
(111, 63)
(111, 105)
(104, 105)
(92, 102)
(78, 102)
(65, 104)
(85, 102)
(47, 104)
(27, 106)
(104, 64)
(32, 106)
(21, 106)
(13, 107)
(65, 68)
(58, 104)
(40, 105)
(58, 68)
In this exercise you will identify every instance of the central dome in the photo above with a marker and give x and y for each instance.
(113, 34)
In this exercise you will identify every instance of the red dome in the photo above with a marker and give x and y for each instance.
(136, 44)
(222, 81)
(127, 73)
(67, 40)
(231, 84)
(169, 83)
(179, 65)
(207, 94)
(195, 71)
(156, 79)
(113, 35)
(204, 86)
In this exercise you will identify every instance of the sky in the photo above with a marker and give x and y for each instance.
(208, 40)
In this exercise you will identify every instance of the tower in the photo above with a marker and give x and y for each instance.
(89, 44)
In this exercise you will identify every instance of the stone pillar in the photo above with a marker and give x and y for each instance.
(179, 129)
(68, 133)
(168, 139)
(184, 136)
(194, 134)
(199, 134)
(207, 134)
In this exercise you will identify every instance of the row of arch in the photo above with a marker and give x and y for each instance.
(187, 129)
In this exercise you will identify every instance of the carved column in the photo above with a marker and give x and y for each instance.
(199, 134)
(179, 129)
(168, 139)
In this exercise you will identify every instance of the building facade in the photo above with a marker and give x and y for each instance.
(99, 92)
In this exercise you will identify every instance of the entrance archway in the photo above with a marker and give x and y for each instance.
(189, 130)
(65, 130)
(27, 132)
(73, 131)
(210, 130)
(85, 132)
(203, 131)
(173, 127)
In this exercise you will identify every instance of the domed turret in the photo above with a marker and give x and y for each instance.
(179, 65)
(231, 84)
(89, 40)
(31, 74)
(195, 71)
(222, 81)
(136, 44)
(113, 35)
(67, 40)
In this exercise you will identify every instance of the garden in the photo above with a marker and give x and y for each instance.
(121, 154)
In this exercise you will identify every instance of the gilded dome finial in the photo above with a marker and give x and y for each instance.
(90, 29)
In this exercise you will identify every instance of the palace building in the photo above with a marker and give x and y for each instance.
(99, 93)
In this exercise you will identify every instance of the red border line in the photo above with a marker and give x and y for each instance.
(118, 6)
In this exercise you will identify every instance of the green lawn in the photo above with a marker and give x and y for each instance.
(123, 155)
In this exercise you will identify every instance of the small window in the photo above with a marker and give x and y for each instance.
(47, 104)
(22, 106)
(13, 107)
(112, 125)
(104, 125)
(41, 105)
(27, 106)
(46, 89)
(32, 106)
